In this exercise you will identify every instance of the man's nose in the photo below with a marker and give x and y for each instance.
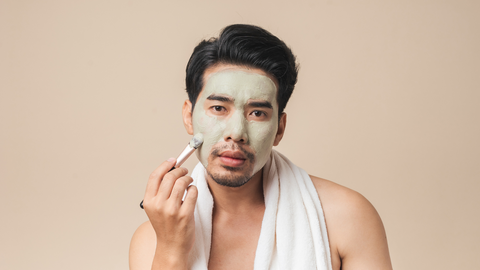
(236, 128)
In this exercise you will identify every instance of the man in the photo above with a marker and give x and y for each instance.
(250, 207)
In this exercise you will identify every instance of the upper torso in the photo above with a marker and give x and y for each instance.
(355, 233)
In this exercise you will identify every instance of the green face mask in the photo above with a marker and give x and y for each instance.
(221, 121)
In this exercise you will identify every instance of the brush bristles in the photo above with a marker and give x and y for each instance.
(197, 140)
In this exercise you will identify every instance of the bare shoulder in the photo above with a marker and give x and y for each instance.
(342, 201)
(142, 247)
(356, 233)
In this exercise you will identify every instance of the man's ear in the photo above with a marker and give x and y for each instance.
(187, 116)
(281, 129)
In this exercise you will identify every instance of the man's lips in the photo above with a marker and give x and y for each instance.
(232, 158)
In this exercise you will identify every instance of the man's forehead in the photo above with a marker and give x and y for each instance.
(241, 85)
(232, 67)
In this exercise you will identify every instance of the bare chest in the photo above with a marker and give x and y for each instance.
(234, 245)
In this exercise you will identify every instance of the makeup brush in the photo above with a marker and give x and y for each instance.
(195, 142)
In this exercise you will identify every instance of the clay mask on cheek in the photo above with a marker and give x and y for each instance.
(241, 87)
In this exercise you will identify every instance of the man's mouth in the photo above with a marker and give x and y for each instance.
(232, 158)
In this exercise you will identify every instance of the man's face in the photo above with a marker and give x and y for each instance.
(237, 113)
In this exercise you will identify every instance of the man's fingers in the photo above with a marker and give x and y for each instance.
(156, 177)
(190, 200)
(179, 188)
(168, 181)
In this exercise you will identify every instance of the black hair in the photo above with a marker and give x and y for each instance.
(244, 45)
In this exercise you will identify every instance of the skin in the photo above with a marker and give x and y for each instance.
(355, 231)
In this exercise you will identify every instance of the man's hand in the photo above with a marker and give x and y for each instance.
(172, 219)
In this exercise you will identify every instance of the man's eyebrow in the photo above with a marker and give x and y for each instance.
(260, 104)
(220, 98)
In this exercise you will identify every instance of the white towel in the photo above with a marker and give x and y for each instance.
(293, 233)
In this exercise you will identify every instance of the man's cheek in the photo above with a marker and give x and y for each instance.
(202, 122)
(262, 135)
(212, 130)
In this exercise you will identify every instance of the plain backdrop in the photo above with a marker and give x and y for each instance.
(387, 104)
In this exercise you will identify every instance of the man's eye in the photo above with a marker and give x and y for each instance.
(258, 113)
(218, 108)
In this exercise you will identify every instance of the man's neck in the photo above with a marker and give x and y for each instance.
(238, 200)
(236, 223)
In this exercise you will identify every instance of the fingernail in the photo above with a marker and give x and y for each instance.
(171, 160)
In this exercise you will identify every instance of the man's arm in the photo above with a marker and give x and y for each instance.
(142, 247)
(355, 231)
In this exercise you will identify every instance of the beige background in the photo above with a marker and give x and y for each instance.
(90, 103)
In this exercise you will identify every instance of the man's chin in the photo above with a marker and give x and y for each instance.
(230, 179)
